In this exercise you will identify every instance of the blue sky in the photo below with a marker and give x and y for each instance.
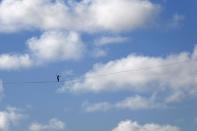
(125, 65)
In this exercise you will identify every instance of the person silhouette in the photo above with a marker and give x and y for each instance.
(58, 78)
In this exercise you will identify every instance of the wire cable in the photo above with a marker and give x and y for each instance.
(95, 76)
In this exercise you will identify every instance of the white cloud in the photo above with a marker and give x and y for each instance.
(86, 15)
(135, 126)
(137, 102)
(57, 46)
(53, 124)
(26, 14)
(132, 103)
(172, 74)
(122, 15)
(8, 61)
(51, 46)
(9, 117)
(106, 40)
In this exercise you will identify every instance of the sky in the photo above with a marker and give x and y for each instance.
(124, 65)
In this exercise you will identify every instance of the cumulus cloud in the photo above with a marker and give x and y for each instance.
(9, 117)
(50, 47)
(63, 16)
(135, 126)
(53, 124)
(56, 46)
(8, 61)
(85, 15)
(170, 75)
(131, 103)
